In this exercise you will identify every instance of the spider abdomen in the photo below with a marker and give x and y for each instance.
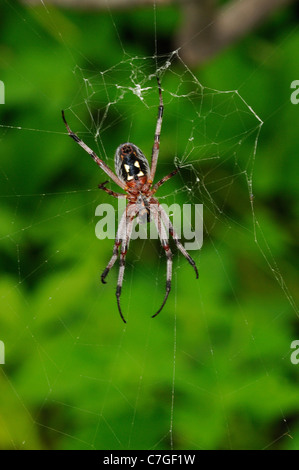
(130, 163)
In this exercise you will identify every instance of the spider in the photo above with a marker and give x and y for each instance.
(135, 177)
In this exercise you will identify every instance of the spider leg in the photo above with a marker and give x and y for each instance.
(121, 232)
(163, 180)
(111, 262)
(93, 155)
(156, 147)
(111, 193)
(124, 249)
(164, 242)
(121, 277)
(176, 240)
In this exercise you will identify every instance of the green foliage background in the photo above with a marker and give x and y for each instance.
(213, 371)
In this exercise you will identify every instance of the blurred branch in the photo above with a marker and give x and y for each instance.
(207, 28)
(197, 32)
(99, 4)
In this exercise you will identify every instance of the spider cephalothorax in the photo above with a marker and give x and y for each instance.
(135, 177)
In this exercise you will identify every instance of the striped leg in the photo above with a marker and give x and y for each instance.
(111, 262)
(164, 242)
(121, 233)
(124, 248)
(111, 193)
(176, 240)
(93, 155)
(163, 180)
(156, 147)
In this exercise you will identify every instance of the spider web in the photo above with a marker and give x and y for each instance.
(76, 377)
